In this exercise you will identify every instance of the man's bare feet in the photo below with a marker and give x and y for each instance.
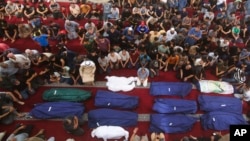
(41, 132)
(20, 115)
(135, 130)
(21, 102)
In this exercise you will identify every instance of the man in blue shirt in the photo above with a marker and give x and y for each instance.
(194, 34)
(42, 40)
(142, 76)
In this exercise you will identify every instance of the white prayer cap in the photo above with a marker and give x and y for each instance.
(130, 29)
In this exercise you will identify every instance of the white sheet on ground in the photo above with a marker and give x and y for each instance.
(115, 83)
(110, 132)
(212, 86)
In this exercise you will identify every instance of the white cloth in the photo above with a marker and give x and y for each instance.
(211, 86)
(110, 132)
(115, 83)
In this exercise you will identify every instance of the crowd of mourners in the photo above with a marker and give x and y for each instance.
(189, 37)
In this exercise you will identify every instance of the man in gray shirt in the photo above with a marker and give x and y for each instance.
(142, 76)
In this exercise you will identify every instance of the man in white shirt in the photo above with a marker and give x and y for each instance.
(22, 61)
(75, 12)
(208, 17)
(170, 34)
(221, 4)
(114, 59)
(124, 58)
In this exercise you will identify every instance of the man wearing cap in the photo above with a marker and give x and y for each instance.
(87, 71)
(128, 32)
(171, 33)
(142, 28)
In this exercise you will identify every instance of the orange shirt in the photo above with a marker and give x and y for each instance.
(173, 59)
(85, 8)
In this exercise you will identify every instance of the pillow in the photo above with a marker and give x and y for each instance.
(2, 134)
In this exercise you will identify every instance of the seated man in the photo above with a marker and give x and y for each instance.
(19, 10)
(8, 68)
(55, 9)
(7, 111)
(87, 71)
(10, 32)
(114, 59)
(10, 9)
(115, 13)
(70, 27)
(24, 30)
(29, 11)
(235, 75)
(103, 62)
(42, 10)
(142, 76)
(72, 125)
(22, 132)
(243, 92)
(8, 98)
(157, 137)
(75, 12)
(96, 11)
(135, 137)
(21, 61)
(85, 10)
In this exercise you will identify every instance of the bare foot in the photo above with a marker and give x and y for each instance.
(41, 132)
(20, 97)
(135, 130)
(21, 102)
(20, 115)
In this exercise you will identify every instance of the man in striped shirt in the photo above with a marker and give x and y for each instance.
(235, 75)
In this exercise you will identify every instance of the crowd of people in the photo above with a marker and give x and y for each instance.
(188, 37)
